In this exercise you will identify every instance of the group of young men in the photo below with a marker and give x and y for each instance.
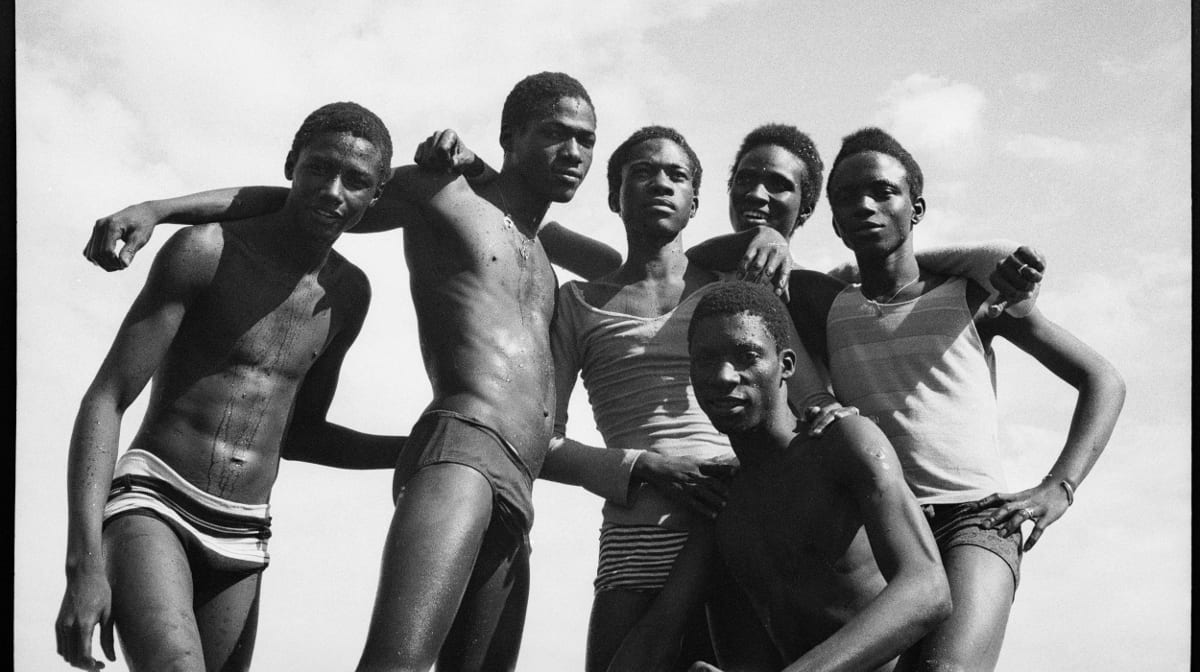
(870, 533)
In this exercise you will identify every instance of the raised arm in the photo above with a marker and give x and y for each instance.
(586, 257)
(311, 437)
(183, 266)
(134, 224)
(917, 595)
(1101, 393)
(1010, 272)
(759, 254)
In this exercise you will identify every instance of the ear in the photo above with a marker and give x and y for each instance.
(614, 201)
(837, 230)
(803, 216)
(787, 363)
(289, 166)
(918, 210)
(506, 137)
(695, 206)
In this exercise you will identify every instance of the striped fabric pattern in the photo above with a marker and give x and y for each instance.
(637, 557)
(233, 531)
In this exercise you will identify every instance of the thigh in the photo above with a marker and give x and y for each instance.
(738, 636)
(981, 587)
(486, 634)
(152, 595)
(434, 538)
(227, 617)
(614, 613)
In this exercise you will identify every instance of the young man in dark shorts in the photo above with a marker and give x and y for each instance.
(822, 534)
(170, 541)
(455, 573)
(913, 349)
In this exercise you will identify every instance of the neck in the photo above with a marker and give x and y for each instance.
(883, 277)
(768, 440)
(655, 257)
(293, 247)
(514, 198)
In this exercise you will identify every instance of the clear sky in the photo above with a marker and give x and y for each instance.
(1065, 125)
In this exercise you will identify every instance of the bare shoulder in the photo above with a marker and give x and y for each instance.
(858, 450)
(191, 254)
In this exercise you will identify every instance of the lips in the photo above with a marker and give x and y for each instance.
(660, 203)
(572, 176)
(725, 404)
(324, 213)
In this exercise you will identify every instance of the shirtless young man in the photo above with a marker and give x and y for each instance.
(455, 573)
(825, 538)
(913, 348)
(175, 557)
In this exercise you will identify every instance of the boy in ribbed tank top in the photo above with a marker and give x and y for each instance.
(912, 349)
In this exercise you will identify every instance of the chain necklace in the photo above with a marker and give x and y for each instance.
(511, 224)
(876, 303)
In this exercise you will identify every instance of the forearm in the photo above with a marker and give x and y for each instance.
(586, 257)
(1101, 397)
(721, 253)
(218, 205)
(907, 609)
(976, 261)
(606, 472)
(90, 464)
(333, 445)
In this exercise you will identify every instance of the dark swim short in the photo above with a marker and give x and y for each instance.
(955, 525)
(442, 436)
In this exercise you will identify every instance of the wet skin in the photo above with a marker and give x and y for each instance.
(229, 368)
(483, 289)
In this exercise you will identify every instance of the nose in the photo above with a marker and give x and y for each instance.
(570, 148)
(333, 188)
(661, 183)
(722, 375)
(756, 193)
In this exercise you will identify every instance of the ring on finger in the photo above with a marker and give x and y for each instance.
(1029, 515)
(1022, 269)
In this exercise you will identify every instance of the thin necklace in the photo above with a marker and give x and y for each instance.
(508, 222)
(876, 303)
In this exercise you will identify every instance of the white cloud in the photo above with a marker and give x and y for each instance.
(934, 116)
(1046, 148)
(1033, 81)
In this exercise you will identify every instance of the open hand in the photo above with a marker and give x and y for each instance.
(1041, 505)
(767, 260)
(699, 483)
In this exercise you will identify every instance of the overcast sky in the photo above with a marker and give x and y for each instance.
(1065, 125)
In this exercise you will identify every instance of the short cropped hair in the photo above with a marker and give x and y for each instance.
(535, 96)
(621, 154)
(346, 117)
(738, 296)
(873, 139)
(800, 145)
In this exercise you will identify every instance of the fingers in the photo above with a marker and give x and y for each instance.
(106, 639)
(438, 151)
(1034, 535)
(100, 249)
(1031, 257)
(821, 418)
(769, 263)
